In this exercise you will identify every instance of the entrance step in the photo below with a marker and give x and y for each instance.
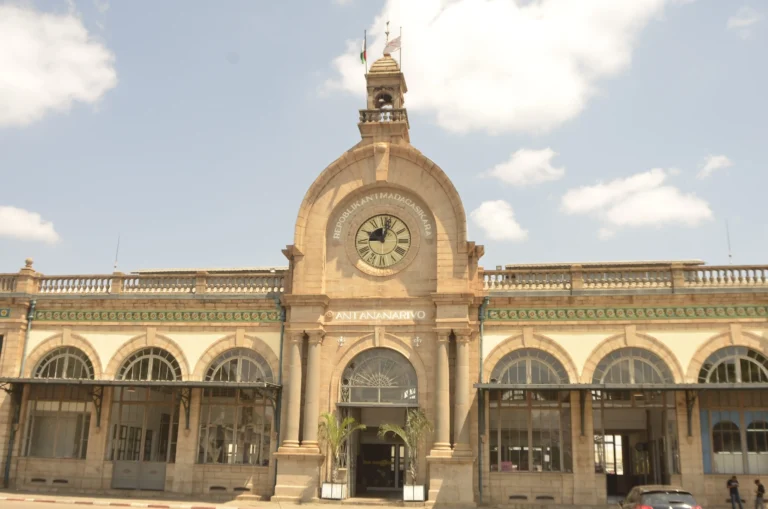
(372, 501)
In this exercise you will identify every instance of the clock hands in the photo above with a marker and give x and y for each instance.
(380, 234)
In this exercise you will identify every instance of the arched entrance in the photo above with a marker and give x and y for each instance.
(635, 426)
(377, 387)
(145, 420)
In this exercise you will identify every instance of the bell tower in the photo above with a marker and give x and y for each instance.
(385, 117)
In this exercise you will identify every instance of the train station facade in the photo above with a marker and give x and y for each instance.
(546, 384)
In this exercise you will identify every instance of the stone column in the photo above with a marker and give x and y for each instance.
(293, 415)
(462, 401)
(312, 390)
(442, 396)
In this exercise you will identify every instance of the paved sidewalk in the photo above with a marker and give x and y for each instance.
(56, 498)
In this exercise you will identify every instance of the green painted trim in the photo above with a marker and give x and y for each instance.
(628, 313)
(5, 313)
(256, 315)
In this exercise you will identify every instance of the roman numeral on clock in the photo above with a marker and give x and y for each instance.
(399, 250)
(404, 241)
(364, 250)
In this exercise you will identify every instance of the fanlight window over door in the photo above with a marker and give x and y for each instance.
(65, 362)
(734, 364)
(379, 376)
(239, 365)
(632, 366)
(529, 366)
(150, 364)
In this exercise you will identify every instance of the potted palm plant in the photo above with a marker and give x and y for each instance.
(417, 426)
(334, 435)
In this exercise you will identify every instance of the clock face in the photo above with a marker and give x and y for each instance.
(382, 241)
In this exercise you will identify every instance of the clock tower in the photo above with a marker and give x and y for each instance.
(383, 281)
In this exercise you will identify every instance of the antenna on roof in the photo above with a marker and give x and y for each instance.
(728, 238)
(117, 252)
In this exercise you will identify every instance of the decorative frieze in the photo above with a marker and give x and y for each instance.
(158, 316)
(628, 313)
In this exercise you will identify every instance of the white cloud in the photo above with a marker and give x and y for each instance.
(497, 220)
(743, 20)
(527, 167)
(48, 62)
(24, 225)
(712, 164)
(503, 65)
(636, 201)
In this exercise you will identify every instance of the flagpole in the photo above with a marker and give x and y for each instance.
(401, 49)
(365, 49)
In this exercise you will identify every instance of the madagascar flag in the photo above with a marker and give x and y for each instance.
(363, 53)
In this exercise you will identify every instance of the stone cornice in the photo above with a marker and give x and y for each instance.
(293, 299)
(453, 298)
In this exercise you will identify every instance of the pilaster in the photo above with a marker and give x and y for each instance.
(442, 445)
(312, 390)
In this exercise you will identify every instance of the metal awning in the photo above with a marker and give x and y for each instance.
(141, 383)
(623, 387)
(9, 384)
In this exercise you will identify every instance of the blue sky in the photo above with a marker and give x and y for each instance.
(193, 129)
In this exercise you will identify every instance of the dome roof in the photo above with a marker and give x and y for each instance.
(384, 65)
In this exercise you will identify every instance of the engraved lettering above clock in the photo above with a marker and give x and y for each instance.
(382, 241)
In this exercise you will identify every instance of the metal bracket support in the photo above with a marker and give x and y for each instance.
(186, 399)
(97, 395)
(690, 401)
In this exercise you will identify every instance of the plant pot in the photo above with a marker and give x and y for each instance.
(333, 491)
(414, 493)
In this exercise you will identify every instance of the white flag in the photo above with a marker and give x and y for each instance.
(392, 45)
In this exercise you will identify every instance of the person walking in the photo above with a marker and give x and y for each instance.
(759, 495)
(733, 488)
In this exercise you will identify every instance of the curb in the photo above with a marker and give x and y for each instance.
(114, 504)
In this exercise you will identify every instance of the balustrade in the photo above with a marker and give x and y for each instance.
(515, 279)
(8, 283)
(74, 284)
(526, 280)
(627, 278)
(384, 115)
(727, 276)
(245, 284)
(159, 284)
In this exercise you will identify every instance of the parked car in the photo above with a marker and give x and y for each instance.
(659, 497)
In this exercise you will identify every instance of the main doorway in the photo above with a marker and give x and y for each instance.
(144, 423)
(376, 466)
(377, 387)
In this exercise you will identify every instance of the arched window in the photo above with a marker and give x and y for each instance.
(379, 375)
(632, 366)
(530, 429)
(734, 364)
(65, 362)
(59, 416)
(150, 364)
(236, 424)
(239, 365)
(726, 437)
(757, 437)
(529, 366)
